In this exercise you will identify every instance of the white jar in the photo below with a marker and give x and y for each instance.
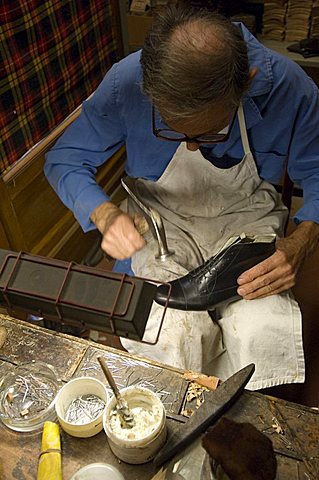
(141, 443)
(72, 390)
(98, 471)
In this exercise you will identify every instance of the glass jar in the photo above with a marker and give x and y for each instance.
(27, 396)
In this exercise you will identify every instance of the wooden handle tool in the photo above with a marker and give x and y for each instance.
(50, 465)
(122, 407)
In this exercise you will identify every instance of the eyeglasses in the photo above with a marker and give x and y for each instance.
(171, 135)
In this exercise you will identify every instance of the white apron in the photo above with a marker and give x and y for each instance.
(202, 206)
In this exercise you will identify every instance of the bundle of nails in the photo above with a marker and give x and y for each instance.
(28, 395)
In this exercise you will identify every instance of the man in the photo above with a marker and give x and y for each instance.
(208, 116)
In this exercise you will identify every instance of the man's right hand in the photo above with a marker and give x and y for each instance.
(121, 237)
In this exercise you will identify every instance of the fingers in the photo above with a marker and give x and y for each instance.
(264, 287)
(122, 240)
(259, 270)
(272, 276)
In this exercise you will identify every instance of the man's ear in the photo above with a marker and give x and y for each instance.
(252, 73)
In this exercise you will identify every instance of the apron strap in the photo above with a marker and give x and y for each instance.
(243, 131)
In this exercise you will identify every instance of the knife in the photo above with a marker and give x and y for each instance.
(215, 405)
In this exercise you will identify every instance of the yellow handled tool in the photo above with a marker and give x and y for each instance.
(50, 467)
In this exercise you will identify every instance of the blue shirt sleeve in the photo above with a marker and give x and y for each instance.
(282, 117)
(88, 142)
(290, 130)
(303, 163)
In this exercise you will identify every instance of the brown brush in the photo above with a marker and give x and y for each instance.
(122, 407)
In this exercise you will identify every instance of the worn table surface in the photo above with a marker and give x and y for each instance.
(293, 429)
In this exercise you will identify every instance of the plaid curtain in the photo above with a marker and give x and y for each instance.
(53, 54)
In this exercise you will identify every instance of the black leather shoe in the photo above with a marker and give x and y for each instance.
(215, 281)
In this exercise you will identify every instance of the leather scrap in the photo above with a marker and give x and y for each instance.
(3, 336)
(242, 451)
(209, 382)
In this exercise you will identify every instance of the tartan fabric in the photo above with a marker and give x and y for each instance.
(53, 54)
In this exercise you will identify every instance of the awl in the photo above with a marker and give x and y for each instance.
(215, 405)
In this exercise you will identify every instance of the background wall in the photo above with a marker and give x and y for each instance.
(53, 54)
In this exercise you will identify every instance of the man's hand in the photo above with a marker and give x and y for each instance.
(279, 272)
(121, 237)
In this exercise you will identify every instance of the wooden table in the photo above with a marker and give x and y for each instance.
(293, 429)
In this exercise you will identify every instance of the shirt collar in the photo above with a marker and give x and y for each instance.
(258, 56)
(262, 83)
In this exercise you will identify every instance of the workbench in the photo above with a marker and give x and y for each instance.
(293, 429)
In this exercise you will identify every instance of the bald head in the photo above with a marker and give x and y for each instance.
(197, 36)
(193, 59)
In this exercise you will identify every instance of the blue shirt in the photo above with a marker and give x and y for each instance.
(282, 118)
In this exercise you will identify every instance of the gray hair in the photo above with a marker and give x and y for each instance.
(192, 59)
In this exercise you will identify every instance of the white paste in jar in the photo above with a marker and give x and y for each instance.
(146, 421)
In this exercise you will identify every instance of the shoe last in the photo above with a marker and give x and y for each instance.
(215, 281)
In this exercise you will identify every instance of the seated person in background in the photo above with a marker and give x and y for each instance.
(208, 116)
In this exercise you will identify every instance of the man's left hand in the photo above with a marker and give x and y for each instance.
(279, 272)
